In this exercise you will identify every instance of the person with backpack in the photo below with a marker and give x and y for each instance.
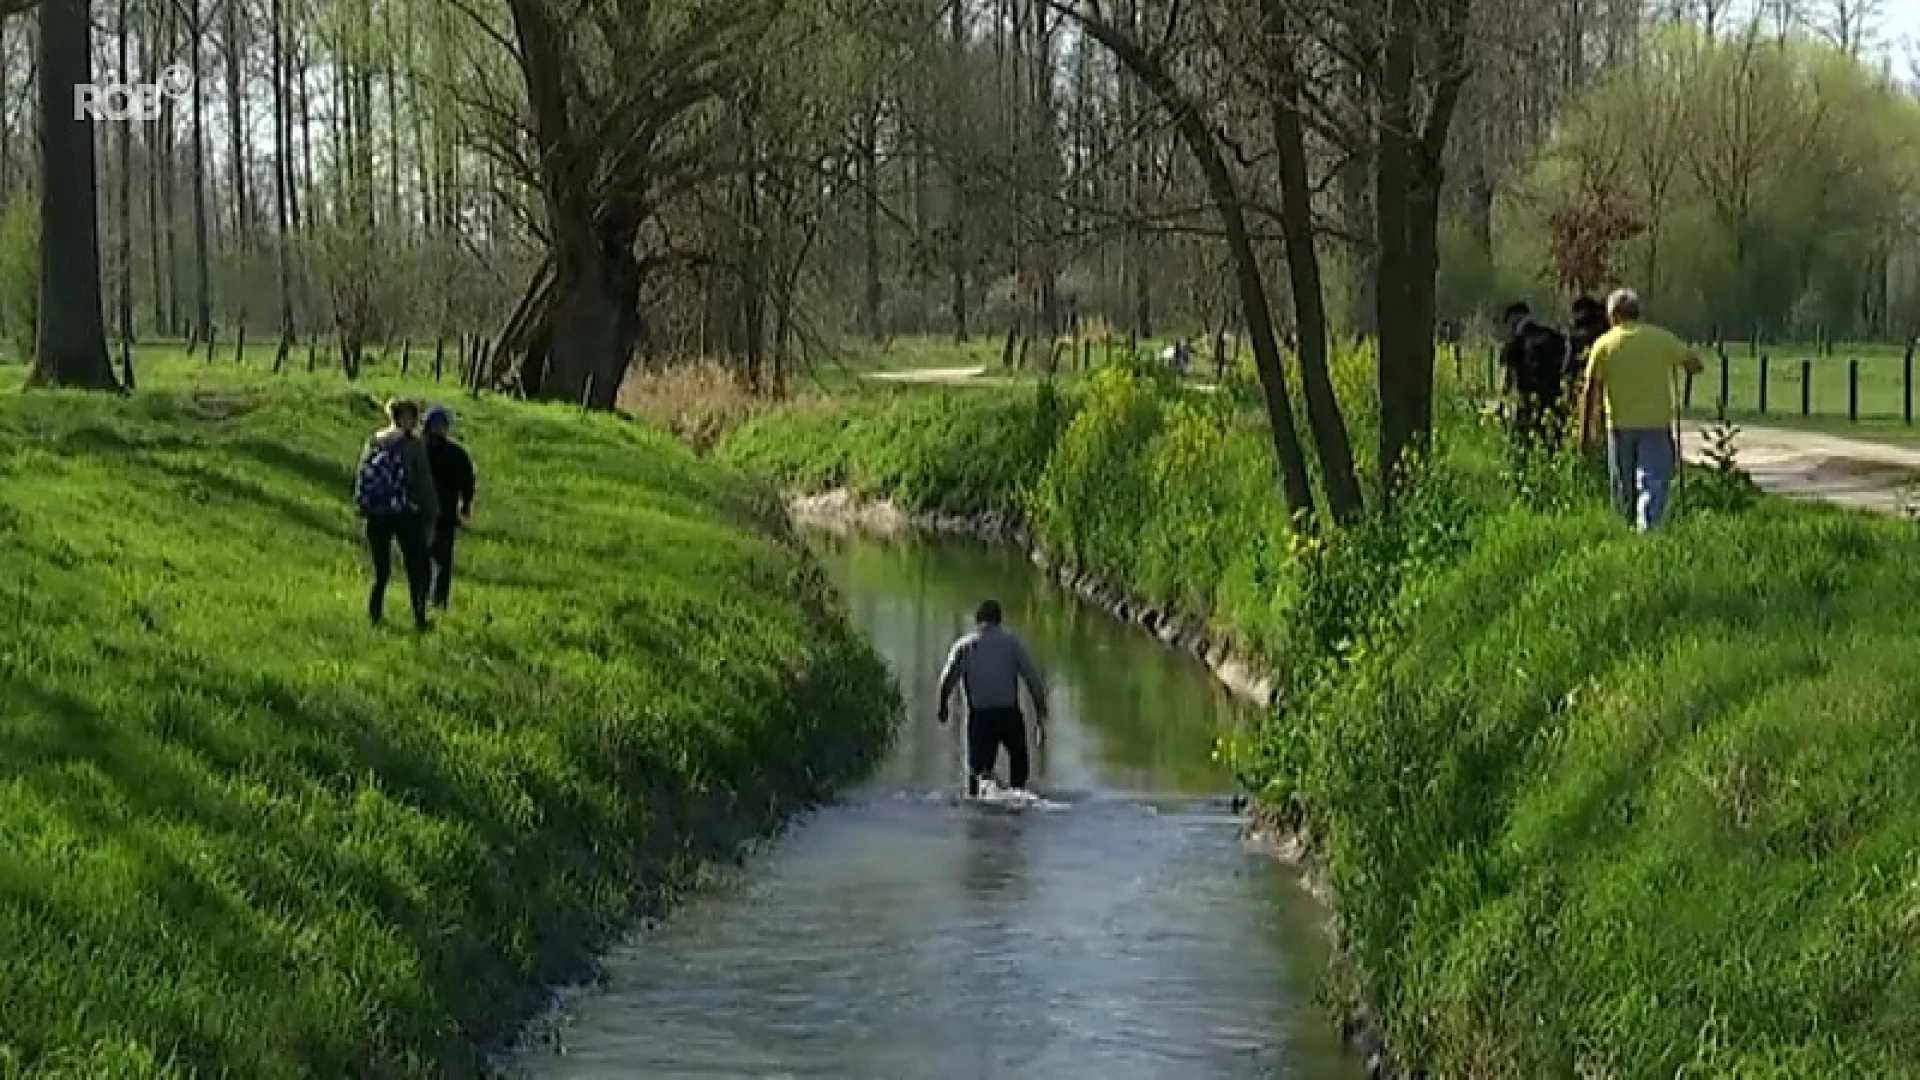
(1534, 359)
(394, 491)
(453, 485)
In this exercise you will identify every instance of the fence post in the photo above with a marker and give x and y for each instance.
(1853, 390)
(1764, 366)
(1725, 382)
(1806, 388)
(1906, 380)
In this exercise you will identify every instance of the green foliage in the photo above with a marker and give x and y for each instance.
(1633, 805)
(1749, 186)
(247, 835)
(20, 273)
(953, 450)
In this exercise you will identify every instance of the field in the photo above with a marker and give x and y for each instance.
(247, 834)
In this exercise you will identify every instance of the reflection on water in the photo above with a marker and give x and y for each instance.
(907, 933)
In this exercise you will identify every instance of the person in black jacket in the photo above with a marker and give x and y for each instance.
(1535, 362)
(1588, 323)
(453, 480)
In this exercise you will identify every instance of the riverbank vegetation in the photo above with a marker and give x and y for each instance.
(245, 833)
(1592, 803)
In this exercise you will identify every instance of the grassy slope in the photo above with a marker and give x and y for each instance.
(1590, 800)
(242, 831)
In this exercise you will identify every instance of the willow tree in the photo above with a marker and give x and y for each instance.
(615, 90)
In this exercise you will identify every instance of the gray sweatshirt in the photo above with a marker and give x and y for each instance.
(990, 662)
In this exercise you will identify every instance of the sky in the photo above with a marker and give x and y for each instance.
(1899, 31)
(1901, 24)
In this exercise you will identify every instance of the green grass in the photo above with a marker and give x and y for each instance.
(1593, 803)
(1636, 807)
(245, 834)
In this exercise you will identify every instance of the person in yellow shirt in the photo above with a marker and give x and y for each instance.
(1630, 368)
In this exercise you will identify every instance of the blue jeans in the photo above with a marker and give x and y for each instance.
(1641, 461)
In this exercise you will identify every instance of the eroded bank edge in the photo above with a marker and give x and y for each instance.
(1274, 831)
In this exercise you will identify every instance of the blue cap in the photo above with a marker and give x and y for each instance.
(439, 416)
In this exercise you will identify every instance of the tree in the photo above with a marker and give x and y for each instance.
(71, 348)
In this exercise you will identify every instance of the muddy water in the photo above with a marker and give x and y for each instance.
(905, 933)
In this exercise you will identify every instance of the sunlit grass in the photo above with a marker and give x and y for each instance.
(247, 834)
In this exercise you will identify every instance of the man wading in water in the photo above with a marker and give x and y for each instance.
(991, 662)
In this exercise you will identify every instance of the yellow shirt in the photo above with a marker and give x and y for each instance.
(1635, 363)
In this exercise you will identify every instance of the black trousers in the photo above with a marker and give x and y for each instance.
(987, 731)
(409, 530)
(441, 553)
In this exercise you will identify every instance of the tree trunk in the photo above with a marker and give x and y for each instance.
(1295, 484)
(123, 264)
(71, 341)
(870, 205)
(282, 179)
(202, 283)
(153, 196)
(957, 203)
(238, 144)
(1331, 440)
(1407, 200)
(169, 179)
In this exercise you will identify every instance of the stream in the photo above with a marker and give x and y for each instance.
(1128, 931)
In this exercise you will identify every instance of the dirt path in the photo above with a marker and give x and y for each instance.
(1801, 464)
(1855, 473)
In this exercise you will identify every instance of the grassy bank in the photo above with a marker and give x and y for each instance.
(1593, 804)
(244, 833)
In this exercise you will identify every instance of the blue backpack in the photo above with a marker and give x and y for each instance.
(380, 487)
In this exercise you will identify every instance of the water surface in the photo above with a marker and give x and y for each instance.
(906, 933)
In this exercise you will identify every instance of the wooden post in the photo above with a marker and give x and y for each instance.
(1765, 365)
(439, 355)
(240, 343)
(1853, 390)
(1686, 396)
(406, 354)
(1806, 388)
(1906, 381)
(1725, 382)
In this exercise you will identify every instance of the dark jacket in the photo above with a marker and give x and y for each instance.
(1580, 337)
(1535, 357)
(452, 477)
(413, 458)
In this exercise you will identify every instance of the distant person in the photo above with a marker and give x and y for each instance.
(1588, 323)
(991, 663)
(1534, 361)
(453, 487)
(394, 491)
(1631, 367)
